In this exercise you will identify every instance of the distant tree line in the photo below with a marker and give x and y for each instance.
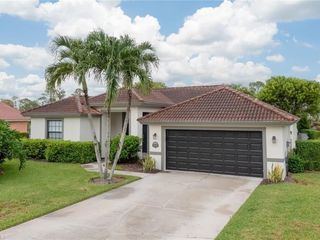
(25, 104)
(297, 96)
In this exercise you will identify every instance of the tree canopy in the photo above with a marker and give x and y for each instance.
(297, 96)
(10, 144)
(154, 85)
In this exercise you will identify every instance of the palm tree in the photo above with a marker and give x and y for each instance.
(105, 52)
(136, 64)
(73, 61)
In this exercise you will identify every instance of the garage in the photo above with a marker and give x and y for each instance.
(214, 151)
(223, 131)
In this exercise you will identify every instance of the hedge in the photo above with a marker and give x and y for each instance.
(35, 148)
(295, 164)
(70, 152)
(309, 152)
(312, 133)
(131, 147)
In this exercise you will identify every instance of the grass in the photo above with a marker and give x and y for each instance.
(279, 212)
(43, 187)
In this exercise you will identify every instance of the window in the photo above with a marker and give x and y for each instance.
(55, 129)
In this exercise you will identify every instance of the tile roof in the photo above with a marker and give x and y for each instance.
(161, 97)
(223, 104)
(73, 105)
(9, 113)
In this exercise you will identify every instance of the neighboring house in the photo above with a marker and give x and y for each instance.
(14, 118)
(200, 128)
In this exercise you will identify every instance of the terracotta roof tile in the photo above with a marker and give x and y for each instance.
(163, 97)
(223, 104)
(9, 113)
(70, 105)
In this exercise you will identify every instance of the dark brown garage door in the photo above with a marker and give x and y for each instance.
(225, 152)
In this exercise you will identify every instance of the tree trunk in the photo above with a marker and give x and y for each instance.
(123, 134)
(93, 132)
(108, 142)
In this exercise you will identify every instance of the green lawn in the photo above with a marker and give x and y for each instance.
(279, 211)
(43, 187)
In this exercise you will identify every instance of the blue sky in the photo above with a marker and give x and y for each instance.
(199, 42)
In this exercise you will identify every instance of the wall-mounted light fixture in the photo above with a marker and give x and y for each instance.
(154, 136)
(274, 139)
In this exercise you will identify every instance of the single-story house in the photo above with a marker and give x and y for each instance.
(212, 129)
(14, 118)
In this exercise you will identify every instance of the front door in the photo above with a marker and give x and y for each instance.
(145, 131)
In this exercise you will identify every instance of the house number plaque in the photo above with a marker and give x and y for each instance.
(155, 144)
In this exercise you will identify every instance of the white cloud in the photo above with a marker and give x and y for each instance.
(3, 63)
(317, 78)
(286, 10)
(27, 57)
(230, 29)
(207, 49)
(307, 45)
(275, 58)
(212, 70)
(300, 69)
(30, 86)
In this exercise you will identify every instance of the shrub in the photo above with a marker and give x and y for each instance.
(304, 123)
(312, 133)
(35, 148)
(70, 152)
(10, 144)
(131, 147)
(296, 164)
(275, 175)
(148, 164)
(309, 152)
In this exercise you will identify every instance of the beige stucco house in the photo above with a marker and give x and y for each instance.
(212, 129)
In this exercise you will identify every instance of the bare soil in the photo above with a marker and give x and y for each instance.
(134, 167)
(98, 180)
(288, 179)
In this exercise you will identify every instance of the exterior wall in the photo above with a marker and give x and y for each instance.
(19, 126)
(38, 128)
(274, 152)
(116, 123)
(85, 130)
(71, 129)
(137, 112)
(116, 126)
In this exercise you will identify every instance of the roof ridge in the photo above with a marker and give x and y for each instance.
(137, 95)
(48, 104)
(191, 86)
(218, 88)
(268, 106)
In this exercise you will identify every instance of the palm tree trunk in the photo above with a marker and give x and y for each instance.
(107, 142)
(93, 132)
(123, 134)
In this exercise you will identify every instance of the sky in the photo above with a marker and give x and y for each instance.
(199, 42)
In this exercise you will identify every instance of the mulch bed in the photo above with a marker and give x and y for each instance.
(98, 180)
(134, 167)
(288, 179)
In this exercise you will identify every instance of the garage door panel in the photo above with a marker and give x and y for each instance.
(227, 152)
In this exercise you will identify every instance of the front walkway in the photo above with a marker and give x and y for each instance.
(160, 206)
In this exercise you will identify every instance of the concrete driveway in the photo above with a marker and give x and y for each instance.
(174, 205)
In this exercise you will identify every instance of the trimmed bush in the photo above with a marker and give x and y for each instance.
(295, 164)
(35, 148)
(131, 147)
(70, 152)
(312, 133)
(309, 152)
